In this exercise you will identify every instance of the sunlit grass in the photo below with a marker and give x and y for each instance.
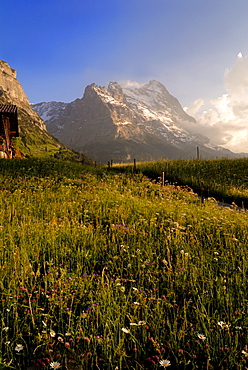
(111, 271)
(225, 179)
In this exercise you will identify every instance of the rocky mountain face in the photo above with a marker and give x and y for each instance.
(121, 124)
(34, 137)
(12, 93)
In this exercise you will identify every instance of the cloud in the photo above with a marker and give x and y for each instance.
(236, 78)
(195, 108)
(225, 123)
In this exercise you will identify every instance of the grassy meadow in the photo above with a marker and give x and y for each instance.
(106, 269)
(224, 179)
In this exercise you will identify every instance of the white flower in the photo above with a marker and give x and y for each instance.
(19, 347)
(201, 336)
(55, 365)
(164, 363)
(125, 330)
(60, 339)
(6, 328)
(222, 324)
(139, 323)
(52, 333)
(245, 353)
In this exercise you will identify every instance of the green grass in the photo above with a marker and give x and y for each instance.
(225, 179)
(103, 270)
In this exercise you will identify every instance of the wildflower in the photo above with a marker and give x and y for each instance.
(60, 339)
(245, 353)
(201, 336)
(6, 328)
(55, 365)
(19, 347)
(125, 330)
(222, 324)
(52, 333)
(67, 334)
(164, 363)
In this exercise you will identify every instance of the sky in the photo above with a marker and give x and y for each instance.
(197, 48)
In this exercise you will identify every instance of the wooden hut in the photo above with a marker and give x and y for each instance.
(8, 130)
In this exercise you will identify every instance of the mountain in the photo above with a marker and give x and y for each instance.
(34, 138)
(120, 124)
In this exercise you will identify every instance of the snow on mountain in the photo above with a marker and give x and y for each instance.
(49, 111)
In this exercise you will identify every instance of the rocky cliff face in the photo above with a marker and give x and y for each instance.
(12, 93)
(34, 138)
(121, 124)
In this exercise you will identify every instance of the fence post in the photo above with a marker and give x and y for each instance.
(197, 152)
(202, 192)
(162, 184)
(134, 165)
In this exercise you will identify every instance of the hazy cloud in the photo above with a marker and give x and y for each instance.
(195, 108)
(225, 123)
(129, 84)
